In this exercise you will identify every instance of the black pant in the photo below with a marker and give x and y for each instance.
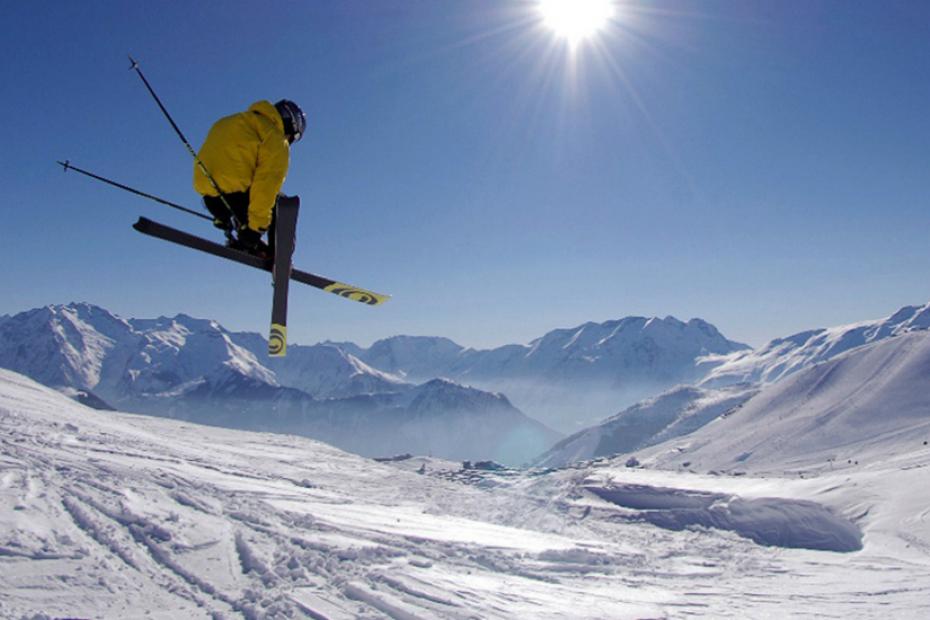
(239, 203)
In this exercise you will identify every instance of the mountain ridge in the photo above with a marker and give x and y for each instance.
(781, 357)
(569, 376)
(618, 361)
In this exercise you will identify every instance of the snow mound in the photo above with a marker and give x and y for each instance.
(773, 522)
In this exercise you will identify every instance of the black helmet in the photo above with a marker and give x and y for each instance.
(295, 121)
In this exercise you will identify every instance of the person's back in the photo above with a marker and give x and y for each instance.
(247, 155)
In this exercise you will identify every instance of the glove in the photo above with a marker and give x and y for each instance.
(222, 224)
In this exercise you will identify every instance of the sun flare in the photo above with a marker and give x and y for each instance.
(576, 20)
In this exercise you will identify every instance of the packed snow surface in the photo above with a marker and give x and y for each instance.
(110, 515)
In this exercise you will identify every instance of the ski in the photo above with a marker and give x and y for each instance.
(160, 231)
(284, 241)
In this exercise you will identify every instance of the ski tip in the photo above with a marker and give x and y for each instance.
(357, 294)
(277, 340)
(142, 224)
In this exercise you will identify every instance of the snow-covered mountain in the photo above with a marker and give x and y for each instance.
(420, 358)
(63, 345)
(439, 418)
(675, 413)
(686, 408)
(174, 354)
(871, 402)
(112, 515)
(569, 377)
(784, 356)
(328, 372)
(124, 360)
(618, 352)
(196, 370)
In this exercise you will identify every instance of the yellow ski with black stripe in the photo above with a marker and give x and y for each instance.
(347, 291)
(355, 294)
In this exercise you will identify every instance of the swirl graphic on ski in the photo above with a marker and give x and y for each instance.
(277, 340)
(356, 294)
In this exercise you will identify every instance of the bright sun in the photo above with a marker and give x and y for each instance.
(576, 20)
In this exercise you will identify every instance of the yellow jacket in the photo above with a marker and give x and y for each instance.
(247, 152)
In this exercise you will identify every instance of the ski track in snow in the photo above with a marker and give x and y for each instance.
(109, 515)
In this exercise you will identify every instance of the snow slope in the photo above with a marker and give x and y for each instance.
(120, 516)
(870, 403)
(677, 412)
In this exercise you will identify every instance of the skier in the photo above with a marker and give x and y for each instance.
(247, 156)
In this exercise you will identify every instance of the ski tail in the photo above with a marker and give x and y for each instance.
(285, 240)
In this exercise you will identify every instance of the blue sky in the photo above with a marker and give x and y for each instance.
(759, 164)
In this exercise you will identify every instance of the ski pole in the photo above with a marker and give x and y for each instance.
(135, 67)
(67, 165)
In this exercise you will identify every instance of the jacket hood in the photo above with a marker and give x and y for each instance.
(267, 109)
